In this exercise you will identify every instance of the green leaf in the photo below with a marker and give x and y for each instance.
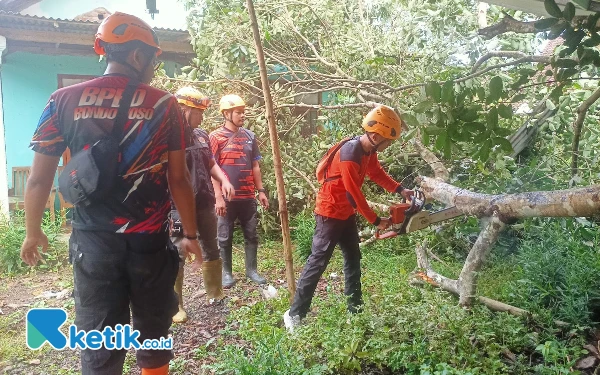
(545, 23)
(549, 104)
(423, 106)
(481, 93)
(410, 120)
(566, 73)
(496, 87)
(553, 9)
(505, 111)
(565, 63)
(503, 132)
(426, 138)
(592, 21)
(448, 92)
(569, 11)
(492, 118)
(434, 130)
(409, 135)
(474, 127)
(484, 151)
(470, 114)
(433, 90)
(441, 141)
(518, 98)
(503, 143)
(447, 148)
(556, 93)
(557, 29)
(592, 41)
(585, 4)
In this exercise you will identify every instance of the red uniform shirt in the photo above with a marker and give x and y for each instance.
(79, 115)
(235, 153)
(341, 197)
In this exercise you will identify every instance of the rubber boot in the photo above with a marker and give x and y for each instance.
(163, 370)
(181, 316)
(251, 271)
(228, 280)
(211, 272)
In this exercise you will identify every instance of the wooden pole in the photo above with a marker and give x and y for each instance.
(283, 212)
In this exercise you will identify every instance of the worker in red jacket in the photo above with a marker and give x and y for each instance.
(339, 198)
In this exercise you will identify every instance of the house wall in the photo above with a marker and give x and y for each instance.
(28, 79)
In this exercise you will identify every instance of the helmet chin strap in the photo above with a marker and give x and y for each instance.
(375, 145)
(231, 121)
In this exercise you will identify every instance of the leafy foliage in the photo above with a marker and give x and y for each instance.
(12, 234)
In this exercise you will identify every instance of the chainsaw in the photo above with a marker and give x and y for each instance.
(409, 217)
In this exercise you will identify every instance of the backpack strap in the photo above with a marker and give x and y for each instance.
(331, 156)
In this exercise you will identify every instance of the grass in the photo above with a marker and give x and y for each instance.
(403, 329)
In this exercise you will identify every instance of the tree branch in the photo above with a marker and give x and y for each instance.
(507, 24)
(338, 106)
(583, 202)
(489, 55)
(577, 126)
(439, 170)
(467, 281)
(542, 59)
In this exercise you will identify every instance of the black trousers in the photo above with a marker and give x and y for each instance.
(244, 210)
(328, 233)
(114, 273)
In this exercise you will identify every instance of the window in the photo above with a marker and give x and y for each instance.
(65, 80)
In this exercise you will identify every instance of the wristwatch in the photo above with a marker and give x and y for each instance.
(262, 191)
(195, 237)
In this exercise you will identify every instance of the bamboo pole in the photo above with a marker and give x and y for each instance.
(283, 212)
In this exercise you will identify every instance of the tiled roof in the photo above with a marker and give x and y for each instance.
(28, 22)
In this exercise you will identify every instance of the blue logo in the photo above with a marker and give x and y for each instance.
(43, 325)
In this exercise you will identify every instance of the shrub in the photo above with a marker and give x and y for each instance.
(12, 234)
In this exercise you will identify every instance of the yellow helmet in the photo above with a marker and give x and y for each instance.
(230, 101)
(384, 121)
(191, 97)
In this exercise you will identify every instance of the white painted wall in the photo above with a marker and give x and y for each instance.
(3, 171)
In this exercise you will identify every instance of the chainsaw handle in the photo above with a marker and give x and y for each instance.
(388, 234)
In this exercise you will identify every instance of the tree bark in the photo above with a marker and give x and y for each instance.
(559, 203)
(578, 126)
(283, 212)
(439, 170)
(433, 277)
(467, 281)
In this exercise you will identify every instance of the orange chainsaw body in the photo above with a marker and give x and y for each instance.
(398, 212)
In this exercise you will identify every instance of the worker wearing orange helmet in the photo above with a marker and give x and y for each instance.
(202, 167)
(123, 263)
(342, 172)
(236, 151)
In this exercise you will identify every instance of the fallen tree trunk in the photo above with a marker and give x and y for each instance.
(580, 202)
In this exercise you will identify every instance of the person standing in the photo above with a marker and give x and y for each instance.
(341, 173)
(119, 248)
(202, 167)
(236, 152)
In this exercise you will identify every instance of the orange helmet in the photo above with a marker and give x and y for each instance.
(191, 97)
(230, 101)
(384, 121)
(120, 28)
